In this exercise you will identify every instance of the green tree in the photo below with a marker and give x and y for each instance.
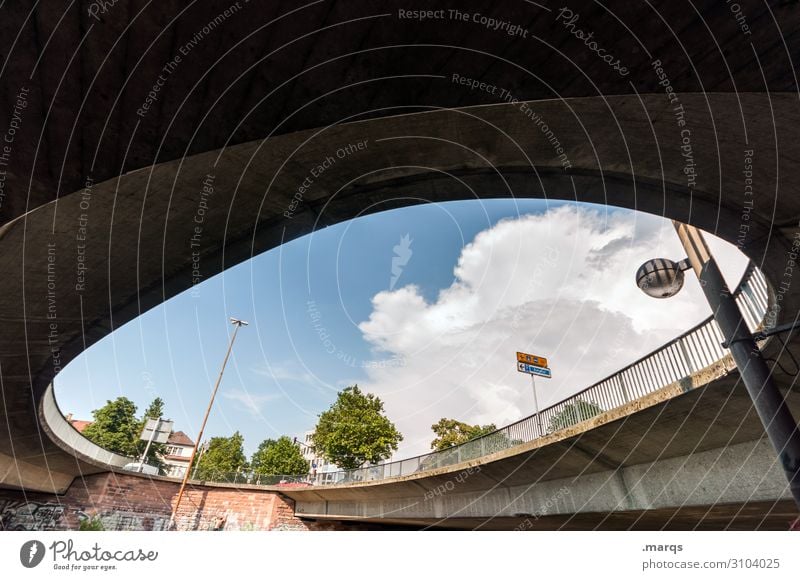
(256, 462)
(355, 430)
(157, 450)
(488, 442)
(450, 432)
(572, 414)
(223, 458)
(281, 457)
(155, 410)
(116, 427)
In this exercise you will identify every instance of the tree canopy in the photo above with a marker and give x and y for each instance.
(573, 413)
(281, 457)
(157, 450)
(355, 430)
(450, 432)
(116, 427)
(224, 457)
(155, 410)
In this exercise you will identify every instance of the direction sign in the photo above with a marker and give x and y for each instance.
(532, 359)
(158, 429)
(534, 370)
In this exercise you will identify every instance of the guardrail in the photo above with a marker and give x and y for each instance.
(694, 350)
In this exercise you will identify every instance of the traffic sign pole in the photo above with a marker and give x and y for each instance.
(536, 405)
(149, 443)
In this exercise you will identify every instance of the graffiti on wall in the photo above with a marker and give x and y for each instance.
(30, 515)
(129, 521)
(33, 516)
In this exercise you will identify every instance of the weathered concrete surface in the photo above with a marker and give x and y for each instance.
(690, 453)
(623, 150)
(272, 68)
(139, 227)
(764, 515)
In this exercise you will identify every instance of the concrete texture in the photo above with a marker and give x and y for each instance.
(276, 68)
(233, 144)
(690, 452)
(139, 227)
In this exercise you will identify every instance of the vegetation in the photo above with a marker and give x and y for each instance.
(224, 456)
(281, 457)
(450, 432)
(572, 414)
(355, 431)
(116, 428)
(157, 450)
(93, 524)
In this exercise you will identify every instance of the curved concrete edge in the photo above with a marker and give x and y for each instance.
(647, 486)
(700, 379)
(75, 337)
(63, 434)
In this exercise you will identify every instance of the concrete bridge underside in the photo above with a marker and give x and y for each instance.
(682, 460)
(143, 176)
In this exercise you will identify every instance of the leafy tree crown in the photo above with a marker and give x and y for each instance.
(355, 430)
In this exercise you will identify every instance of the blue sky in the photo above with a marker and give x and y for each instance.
(324, 313)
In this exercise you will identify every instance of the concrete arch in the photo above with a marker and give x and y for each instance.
(97, 258)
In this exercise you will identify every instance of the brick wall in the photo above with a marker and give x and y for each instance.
(138, 502)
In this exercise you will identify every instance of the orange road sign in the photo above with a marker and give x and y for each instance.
(532, 359)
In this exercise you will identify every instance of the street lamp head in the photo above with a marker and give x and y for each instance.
(238, 322)
(660, 278)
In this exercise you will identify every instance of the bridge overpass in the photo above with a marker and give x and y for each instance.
(99, 199)
(677, 446)
(686, 460)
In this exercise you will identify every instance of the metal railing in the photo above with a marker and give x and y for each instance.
(696, 349)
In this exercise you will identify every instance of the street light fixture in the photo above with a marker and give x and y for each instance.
(663, 278)
(238, 324)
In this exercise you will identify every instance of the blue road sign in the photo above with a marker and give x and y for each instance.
(532, 370)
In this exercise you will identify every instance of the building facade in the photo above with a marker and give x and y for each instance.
(319, 468)
(177, 454)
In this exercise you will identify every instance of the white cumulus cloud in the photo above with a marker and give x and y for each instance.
(558, 284)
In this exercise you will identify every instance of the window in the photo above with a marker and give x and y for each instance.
(177, 471)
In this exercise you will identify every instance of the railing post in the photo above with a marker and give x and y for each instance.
(685, 356)
(624, 386)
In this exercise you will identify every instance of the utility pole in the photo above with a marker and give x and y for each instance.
(238, 324)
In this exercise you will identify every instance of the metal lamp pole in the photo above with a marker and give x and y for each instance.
(770, 405)
(238, 324)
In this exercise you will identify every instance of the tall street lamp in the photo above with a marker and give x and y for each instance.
(664, 278)
(238, 324)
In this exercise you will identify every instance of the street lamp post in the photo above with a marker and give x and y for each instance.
(238, 324)
(770, 405)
